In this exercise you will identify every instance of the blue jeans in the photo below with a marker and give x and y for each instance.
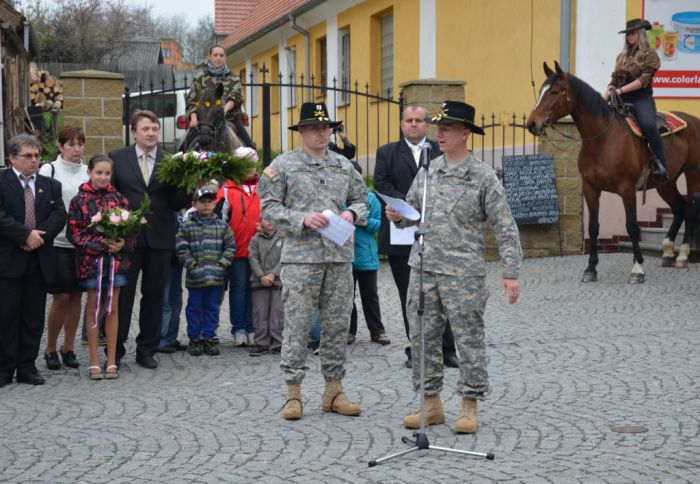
(172, 304)
(240, 298)
(202, 312)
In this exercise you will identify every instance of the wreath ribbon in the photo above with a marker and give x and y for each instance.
(110, 289)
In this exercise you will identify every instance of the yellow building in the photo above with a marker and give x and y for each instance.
(382, 44)
(496, 48)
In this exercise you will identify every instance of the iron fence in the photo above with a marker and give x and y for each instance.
(371, 119)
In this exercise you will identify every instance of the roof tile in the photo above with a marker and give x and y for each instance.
(264, 13)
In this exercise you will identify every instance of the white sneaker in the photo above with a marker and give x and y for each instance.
(251, 339)
(239, 338)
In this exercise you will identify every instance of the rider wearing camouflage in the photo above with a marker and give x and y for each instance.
(462, 193)
(316, 273)
(214, 70)
(232, 89)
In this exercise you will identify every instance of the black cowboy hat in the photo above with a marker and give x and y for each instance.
(456, 112)
(636, 24)
(314, 114)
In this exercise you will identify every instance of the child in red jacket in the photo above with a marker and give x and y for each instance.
(240, 207)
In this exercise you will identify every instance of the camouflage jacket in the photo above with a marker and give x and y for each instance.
(295, 184)
(232, 88)
(460, 199)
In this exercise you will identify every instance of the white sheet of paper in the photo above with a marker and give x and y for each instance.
(399, 236)
(338, 230)
(403, 208)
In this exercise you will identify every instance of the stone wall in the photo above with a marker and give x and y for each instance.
(93, 101)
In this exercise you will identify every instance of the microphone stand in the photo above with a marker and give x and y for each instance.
(420, 440)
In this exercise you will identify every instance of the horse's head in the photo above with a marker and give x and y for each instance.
(210, 113)
(554, 102)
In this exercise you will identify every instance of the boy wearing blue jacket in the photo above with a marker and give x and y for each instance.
(205, 246)
(364, 273)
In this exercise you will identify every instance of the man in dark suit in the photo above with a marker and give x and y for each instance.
(31, 215)
(395, 168)
(134, 177)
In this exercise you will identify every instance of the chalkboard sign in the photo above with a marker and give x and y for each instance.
(530, 188)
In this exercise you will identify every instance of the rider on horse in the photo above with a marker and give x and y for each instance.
(214, 69)
(635, 67)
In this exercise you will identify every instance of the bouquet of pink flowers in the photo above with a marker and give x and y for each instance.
(119, 223)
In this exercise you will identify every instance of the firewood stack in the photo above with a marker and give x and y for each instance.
(45, 91)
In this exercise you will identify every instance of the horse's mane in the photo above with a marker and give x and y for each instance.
(586, 95)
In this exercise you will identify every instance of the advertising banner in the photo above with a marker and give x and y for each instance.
(676, 37)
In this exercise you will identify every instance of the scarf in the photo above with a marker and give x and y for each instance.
(217, 71)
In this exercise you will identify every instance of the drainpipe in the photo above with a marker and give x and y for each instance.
(2, 109)
(307, 48)
(26, 37)
(565, 35)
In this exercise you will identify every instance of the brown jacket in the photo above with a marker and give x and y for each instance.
(638, 64)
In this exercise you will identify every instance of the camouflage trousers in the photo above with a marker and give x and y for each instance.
(305, 287)
(462, 300)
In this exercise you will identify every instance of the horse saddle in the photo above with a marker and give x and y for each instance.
(666, 122)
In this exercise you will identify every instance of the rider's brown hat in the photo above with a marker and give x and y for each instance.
(314, 114)
(636, 24)
(456, 112)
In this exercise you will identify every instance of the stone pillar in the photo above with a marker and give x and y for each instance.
(93, 101)
(432, 92)
(564, 144)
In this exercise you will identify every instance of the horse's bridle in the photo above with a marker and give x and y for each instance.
(548, 124)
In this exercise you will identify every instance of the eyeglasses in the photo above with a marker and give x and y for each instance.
(33, 156)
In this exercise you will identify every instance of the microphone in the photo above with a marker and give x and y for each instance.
(425, 155)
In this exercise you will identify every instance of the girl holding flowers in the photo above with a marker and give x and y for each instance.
(98, 222)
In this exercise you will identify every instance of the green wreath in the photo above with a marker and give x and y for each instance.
(189, 170)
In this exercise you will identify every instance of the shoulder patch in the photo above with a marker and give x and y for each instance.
(270, 172)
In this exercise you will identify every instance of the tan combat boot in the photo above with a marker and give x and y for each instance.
(292, 407)
(467, 421)
(334, 400)
(433, 413)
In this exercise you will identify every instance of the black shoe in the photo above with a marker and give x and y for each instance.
(450, 360)
(69, 359)
(195, 348)
(30, 378)
(259, 350)
(167, 349)
(147, 362)
(181, 347)
(210, 348)
(661, 173)
(5, 380)
(52, 361)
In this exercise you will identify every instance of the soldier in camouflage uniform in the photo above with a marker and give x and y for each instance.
(214, 69)
(462, 193)
(294, 190)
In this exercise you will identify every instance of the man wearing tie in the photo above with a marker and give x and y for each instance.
(31, 215)
(134, 177)
(395, 167)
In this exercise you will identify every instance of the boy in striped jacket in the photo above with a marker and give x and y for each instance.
(205, 247)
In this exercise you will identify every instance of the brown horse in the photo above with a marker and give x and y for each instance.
(612, 159)
(215, 134)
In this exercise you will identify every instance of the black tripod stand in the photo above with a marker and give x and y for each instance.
(420, 440)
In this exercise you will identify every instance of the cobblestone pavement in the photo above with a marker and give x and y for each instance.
(571, 365)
